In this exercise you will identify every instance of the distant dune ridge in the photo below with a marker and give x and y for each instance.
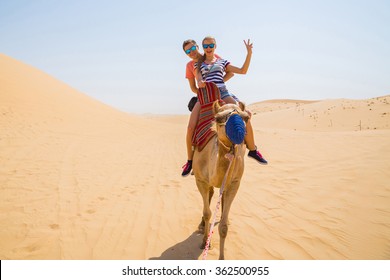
(327, 115)
(82, 180)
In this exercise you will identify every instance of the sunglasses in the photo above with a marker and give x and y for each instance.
(190, 50)
(211, 46)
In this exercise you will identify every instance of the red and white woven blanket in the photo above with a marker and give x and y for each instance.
(203, 132)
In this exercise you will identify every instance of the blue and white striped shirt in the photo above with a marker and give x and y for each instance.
(214, 72)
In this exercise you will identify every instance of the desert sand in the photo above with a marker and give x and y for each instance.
(82, 180)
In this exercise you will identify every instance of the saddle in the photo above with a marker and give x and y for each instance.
(203, 132)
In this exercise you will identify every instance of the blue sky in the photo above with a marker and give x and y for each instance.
(128, 54)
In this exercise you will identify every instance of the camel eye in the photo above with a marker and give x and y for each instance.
(220, 118)
(245, 117)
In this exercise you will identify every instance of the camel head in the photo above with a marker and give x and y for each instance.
(230, 123)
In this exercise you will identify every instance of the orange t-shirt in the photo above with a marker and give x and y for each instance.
(190, 69)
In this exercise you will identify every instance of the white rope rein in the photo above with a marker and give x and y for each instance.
(230, 157)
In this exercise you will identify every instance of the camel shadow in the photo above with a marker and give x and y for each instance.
(189, 249)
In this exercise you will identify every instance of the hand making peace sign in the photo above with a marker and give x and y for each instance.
(248, 46)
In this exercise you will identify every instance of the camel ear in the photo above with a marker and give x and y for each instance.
(242, 106)
(216, 107)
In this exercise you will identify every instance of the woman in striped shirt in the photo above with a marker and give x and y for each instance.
(210, 68)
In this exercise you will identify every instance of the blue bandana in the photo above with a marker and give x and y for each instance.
(235, 129)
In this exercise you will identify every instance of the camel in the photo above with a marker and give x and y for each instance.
(210, 166)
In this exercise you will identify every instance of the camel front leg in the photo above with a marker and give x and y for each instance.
(204, 190)
(227, 200)
(202, 223)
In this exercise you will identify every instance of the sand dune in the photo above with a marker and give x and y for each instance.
(81, 180)
(326, 115)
